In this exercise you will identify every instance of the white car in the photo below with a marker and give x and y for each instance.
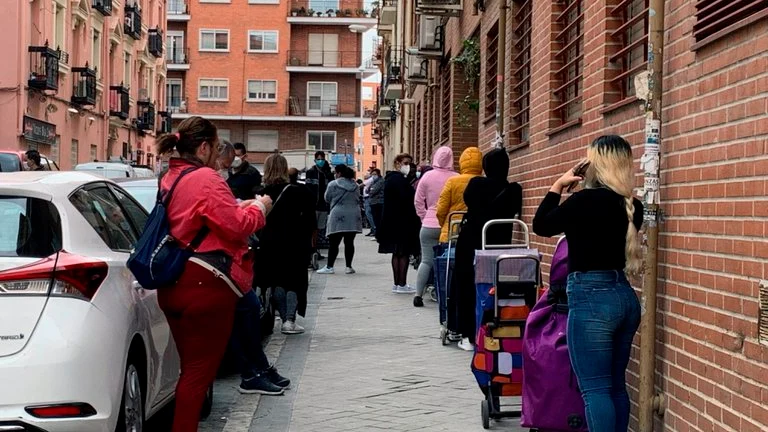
(82, 346)
(110, 170)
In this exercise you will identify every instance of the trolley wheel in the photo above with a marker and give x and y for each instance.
(444, 336)
(485, 412)
(432, 291)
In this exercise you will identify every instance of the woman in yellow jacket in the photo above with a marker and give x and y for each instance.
(452, 196)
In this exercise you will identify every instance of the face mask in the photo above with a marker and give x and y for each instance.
(405, 169)
(237, 162)
(320, 163)
(418, 174)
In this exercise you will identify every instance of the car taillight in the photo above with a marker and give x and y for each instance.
(63, 275)
(61, 411)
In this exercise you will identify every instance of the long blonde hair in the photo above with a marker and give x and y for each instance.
(275, 169)
(611, 166)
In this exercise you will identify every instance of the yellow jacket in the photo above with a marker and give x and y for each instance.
(452, 196)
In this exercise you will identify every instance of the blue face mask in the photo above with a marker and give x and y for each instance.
(320, 163)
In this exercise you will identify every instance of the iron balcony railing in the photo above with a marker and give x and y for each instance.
(177, 7)
(145, 120)
(119, 101)
(323, 107)
(103, 6)
(84, 86)
(43, 68)
(322, 58)
(176, 104)
(166, 123)
(133, 20)
(394, 65)
(177, 56)
(156, 42)
(331, 9)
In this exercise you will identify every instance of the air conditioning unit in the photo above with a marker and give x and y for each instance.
(447, 8)
(430, 36)
(417, 69)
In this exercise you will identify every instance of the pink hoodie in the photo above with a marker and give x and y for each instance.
(430, 186)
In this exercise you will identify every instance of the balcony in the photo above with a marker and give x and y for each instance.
(319, 107)
(84, 86)
(393, 83)
(331, 12)
(166, 123)
(388, 13)
(43, 68)
(431, 37)
(103, 6)
(156, 42)
(145, 119)
(177, 59)
(324, 61)
(447, 8)
(178, 10)
(133, 20)
(176, 104)
(119, 101)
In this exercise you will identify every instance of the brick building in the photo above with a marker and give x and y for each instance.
(271, 74)
(570, 78)
(368, 149)
(83, 80)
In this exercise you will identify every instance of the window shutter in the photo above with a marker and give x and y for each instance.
(717, 18)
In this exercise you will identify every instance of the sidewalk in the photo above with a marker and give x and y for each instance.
(371, 361)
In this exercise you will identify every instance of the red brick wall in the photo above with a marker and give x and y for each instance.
(710, 365)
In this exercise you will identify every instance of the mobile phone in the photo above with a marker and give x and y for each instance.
(580, 171)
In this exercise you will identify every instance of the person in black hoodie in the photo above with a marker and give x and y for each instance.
(489, 197)
(317, 180)
(398, 231)
(244, 179)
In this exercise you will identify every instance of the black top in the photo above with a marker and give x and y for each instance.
(490, 198)
(399, 226)
(317, 181)
(595, 223)
(245, 182)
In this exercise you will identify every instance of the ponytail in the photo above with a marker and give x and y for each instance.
(632, 250)
(192, 132)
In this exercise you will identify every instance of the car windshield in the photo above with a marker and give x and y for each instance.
(9, 162)
(29, 227)
(108, 173)
(145, 195)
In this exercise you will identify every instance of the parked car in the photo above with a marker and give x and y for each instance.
(13, 161)
(110, 170)
(145, 192)
(83, 347)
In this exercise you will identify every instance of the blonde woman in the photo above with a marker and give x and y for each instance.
(601, 223)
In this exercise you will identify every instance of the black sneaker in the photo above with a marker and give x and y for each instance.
(277, 379)
(260, 384)
(418, 302)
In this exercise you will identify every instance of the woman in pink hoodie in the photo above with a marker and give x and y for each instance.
(427, 194)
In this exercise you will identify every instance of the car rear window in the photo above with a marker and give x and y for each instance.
(9, 162)
(110, 174)
(145, 195)
(29, 227)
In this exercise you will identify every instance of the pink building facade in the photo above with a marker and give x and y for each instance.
(83, 80)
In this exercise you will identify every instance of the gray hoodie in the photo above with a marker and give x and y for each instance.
(343, 195)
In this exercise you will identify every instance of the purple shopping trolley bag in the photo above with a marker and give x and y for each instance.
(551, 397)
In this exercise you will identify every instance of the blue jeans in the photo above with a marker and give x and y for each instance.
(604, 314)
(369, 215)
(246, 336)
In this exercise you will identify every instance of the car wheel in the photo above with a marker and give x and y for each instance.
(131, 417)
(207, 404)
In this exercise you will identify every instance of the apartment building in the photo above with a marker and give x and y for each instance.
(83, 80)
(570, 77)
(368, 149)
(274, 75)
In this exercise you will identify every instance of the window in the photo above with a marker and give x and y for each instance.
(323, 50)
(522, 73)
(445, 88)
(58, 25)
(262, 91)
(96, 53)
(214, 40)
(325, 141)
(718, 18)
(30, 227)
(173, 94)
(491, 64)
(367, 93)
(263, 1)
(224, 134)
(175, 51)
(213, 90)
(569, 58)
(94, 152)
(262, 41)
(262, 140)
(322, 99)
(73, 154)
(633, 51)
(137, 216)
(102, 211)
(374, 148)
(127, 71)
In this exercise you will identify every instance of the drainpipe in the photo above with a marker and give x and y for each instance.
(649, 401)
(501, 64)
(407, 38)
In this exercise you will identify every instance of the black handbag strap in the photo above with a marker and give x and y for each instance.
(166, 199)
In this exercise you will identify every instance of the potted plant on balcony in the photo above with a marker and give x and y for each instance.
(303, 12)
(374, 9)
(311, 12)
(348, 12)
(339, 13)
(295, 12)
(329, 13)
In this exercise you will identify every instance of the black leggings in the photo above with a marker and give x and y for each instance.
(400, 269)
(349, 247)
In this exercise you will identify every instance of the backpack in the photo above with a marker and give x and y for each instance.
(158, 259)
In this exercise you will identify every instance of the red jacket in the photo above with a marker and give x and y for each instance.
(202, 198)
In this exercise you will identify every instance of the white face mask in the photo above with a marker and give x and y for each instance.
(237, 162)
(405, 169)
(418, 174)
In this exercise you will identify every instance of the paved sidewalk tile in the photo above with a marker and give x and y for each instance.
(370, 361)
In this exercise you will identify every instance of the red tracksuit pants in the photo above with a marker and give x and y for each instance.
(200, 310)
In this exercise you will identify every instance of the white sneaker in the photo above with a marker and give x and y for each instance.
(465, 345)
(290, 327)
(407, 289)
(326, 270)
(395, 289)
(349, 270)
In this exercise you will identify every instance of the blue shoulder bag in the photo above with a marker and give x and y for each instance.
(158, 259)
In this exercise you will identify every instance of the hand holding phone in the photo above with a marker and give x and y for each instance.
(580, 170)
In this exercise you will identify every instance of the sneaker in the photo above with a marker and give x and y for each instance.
(454, 337)
(326, 270)
(260, 384)
(466, 345)
(418, 302)
(349, 270)
(407, 289)
(395, 289)
(276, 379)
(290, 327)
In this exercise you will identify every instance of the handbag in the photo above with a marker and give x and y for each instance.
(158, 259)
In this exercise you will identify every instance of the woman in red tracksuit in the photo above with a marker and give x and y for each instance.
(200, 307)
